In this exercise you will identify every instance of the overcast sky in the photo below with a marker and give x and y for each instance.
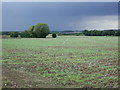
(60, 15)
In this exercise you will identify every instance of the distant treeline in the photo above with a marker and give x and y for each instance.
(67, 33)
(8, 32)
(5, 33)
(85, 32)
(70, 34)
(101, 33)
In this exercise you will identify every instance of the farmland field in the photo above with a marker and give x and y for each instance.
(62, 62)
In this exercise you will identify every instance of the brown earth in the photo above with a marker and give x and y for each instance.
(4, 36)
(19, 79)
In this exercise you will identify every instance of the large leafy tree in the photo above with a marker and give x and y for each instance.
(41, 30)
(30, 31)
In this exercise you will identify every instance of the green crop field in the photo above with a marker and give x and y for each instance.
(62, 62)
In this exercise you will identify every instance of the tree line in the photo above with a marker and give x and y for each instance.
(41, 30)
(101, 33)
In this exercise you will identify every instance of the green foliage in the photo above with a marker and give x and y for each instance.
(101, 33)
(41, 30)
(54, 35)
(79, 34)
(30, 31)
(14, 34)
(25, 34)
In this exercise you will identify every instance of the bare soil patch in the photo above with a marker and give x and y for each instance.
(18, 79)
(4, 36)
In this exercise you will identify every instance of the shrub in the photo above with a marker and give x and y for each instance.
(25, 34)
(54, 35)
(14, 34)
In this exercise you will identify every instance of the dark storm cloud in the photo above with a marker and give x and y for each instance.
(20, 15)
